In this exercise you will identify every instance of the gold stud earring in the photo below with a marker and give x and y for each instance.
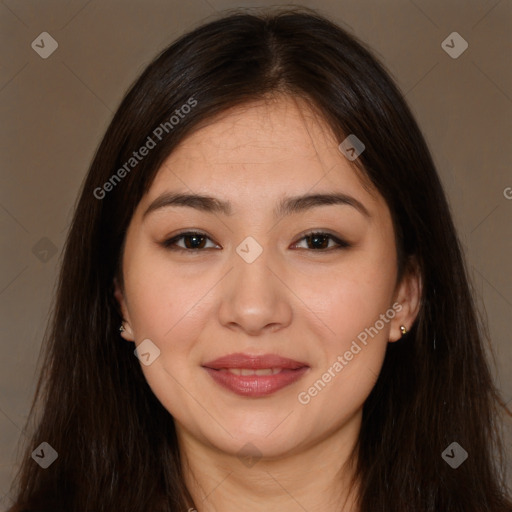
(403, 330)
(121, 329)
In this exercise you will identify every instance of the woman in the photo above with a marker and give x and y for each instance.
(263, 303)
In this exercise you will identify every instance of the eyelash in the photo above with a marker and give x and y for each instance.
(169, 244)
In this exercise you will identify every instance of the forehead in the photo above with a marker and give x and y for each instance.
(260, 132)
(275, 124)
(264, 149)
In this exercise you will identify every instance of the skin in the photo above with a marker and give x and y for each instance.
(293, 300)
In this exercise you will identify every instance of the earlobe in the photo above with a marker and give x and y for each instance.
(125, 329)
(408, 295)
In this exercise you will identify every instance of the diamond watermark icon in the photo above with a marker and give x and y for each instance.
(249, 250)
(44, 45)
(44, 249)
(44, 455)
(454, 45)
(249, 455)
(352, 147)
(454, 455)
(147, 352)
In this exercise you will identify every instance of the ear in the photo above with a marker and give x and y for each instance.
(408, 296)
(127, 333)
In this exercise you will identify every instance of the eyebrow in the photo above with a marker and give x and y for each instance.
(286, 206)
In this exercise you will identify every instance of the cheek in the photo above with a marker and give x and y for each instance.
(351, 296)
(353, 353)
(357, 307)
(169, 311)
(163, 296)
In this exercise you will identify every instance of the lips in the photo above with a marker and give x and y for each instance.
(255, 376)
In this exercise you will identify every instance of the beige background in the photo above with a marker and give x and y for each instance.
(55, 111)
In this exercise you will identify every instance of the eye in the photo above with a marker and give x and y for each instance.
(192, 240)
(319, 241)
(195, 241)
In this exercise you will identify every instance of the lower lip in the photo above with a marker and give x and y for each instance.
(255, 386)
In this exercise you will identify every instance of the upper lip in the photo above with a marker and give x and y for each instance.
(254, 362)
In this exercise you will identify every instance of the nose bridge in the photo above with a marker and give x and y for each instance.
(252, 279)
(253, 276)
(253, 298)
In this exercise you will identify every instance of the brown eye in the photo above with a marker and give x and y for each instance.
(192, 240)
(320, 241)
(196, 241)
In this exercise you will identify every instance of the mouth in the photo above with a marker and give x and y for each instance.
(247, 371)
(255, 376)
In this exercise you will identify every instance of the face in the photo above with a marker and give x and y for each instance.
(269, 318)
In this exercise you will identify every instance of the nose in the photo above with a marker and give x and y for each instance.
(255, 299)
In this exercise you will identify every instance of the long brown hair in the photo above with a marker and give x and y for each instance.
(116, 443)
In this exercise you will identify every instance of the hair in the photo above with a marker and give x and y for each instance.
(116, 443)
